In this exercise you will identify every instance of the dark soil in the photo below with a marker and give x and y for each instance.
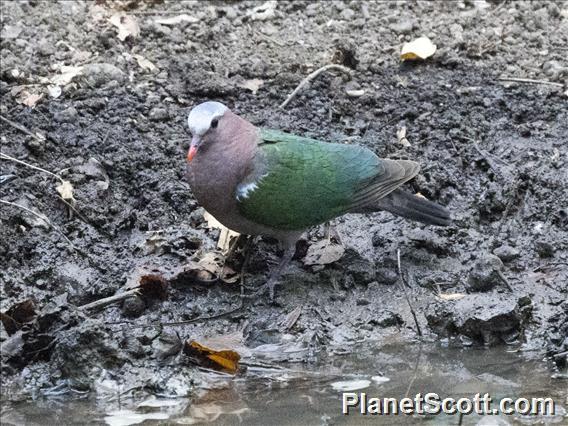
(494, 152)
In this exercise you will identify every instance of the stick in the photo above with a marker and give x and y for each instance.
(22, 129)
(530, 81)
(15, 160)
(42, 217)
(101, 303)
(505, 280)
(418, 330)
(310, 77)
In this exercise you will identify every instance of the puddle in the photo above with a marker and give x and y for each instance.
(312, 394)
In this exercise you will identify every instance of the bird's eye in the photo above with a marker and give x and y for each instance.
(214, 123)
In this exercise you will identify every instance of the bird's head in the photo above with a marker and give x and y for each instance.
(204, 120)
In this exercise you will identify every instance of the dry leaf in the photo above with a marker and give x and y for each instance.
(68, 73)
(145, 64)
(225, 359)
(226, 234)
(323, 253)
(28, 99)
(127, 25)
(288, 322)
(65, 189)
(17, 315)
(176, 20)
(421, 48)
(451, 296)
(252, 85)
(210, 268)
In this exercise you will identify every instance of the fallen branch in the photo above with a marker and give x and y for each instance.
(101, 303)
(311, 77)
(41, 217)
(530, 81)
(22, 129)
(404, 284)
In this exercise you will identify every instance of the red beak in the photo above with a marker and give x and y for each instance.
(191, 153)
(193, 147)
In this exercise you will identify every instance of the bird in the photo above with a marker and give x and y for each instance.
(266, 182)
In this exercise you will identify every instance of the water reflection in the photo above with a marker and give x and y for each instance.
(311, 394)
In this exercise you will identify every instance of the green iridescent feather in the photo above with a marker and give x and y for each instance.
(301, 182)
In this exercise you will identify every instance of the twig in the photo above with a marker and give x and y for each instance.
(310, 77)
(505, 280)
(15, 160)
(42, 217)
(548, 265)
(22, 129)
(530, 81)
(203, 318)
(101, 303)
(404, 284)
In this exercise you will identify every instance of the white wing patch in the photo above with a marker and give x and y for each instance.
(245, 189)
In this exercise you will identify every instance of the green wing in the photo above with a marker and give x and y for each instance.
(295, 183)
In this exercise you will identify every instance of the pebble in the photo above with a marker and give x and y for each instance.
(387, 276)
(68, 115)
(159, 114)
(100, 73)
(133, 307)
(544, 248)
(402, 27)
(506, 253)
(485, 273)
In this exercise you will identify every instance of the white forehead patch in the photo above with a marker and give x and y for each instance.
(200, 117)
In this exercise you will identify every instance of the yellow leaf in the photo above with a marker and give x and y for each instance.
(225, 359)
(226, 234)
(421, 48)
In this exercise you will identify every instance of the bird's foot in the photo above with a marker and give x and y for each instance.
(266, 288)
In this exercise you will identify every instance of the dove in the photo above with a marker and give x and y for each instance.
(267, 182)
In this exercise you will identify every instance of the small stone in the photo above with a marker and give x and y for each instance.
(133, 307)
(159, 114)
(544, 248)
(101, 73)
(347, 14)
(379, 240)
(386, 319)
(506, 253)
(362, 302)
(485, 273)
(362, 270)
(386, 276)
(402, 27)
(68, 115)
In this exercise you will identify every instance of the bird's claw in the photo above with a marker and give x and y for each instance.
(268, 286)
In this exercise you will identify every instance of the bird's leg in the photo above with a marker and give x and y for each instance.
(275, 273)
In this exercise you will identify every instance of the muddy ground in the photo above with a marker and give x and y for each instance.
(493, 151)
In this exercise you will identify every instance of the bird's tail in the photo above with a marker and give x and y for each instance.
(414, 207)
